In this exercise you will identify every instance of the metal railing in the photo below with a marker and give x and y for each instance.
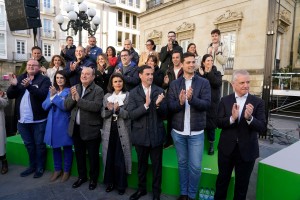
(21, 57)
(229, 64)
(48, 33)
(154, 3)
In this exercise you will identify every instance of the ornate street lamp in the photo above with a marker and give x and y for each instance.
(83, 19)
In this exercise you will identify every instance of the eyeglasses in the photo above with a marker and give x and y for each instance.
(124, 55)
(29, 65)
(148, 44)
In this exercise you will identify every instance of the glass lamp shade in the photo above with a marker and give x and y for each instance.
(93, 26)
(82, 7)
(96, 20)
(72, 15)
(91, 12)
(68, 7)
(59, 19)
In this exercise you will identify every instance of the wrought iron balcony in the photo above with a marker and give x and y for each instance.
(48, 33)
(20, 57)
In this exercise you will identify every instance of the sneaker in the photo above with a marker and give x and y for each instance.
(27, 172)
(38, 173)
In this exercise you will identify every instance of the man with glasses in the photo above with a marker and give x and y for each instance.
(30, 90)
(165, 55)
(128, 69)
(133, 54)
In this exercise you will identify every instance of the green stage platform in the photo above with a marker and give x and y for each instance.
(16, 154)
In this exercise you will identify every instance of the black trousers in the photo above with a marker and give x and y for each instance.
(115, 170)
(92, 147)
(242, 170)
(156, 160)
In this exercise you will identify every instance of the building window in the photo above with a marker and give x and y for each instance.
(120, 18)
(21, 47)
(134, 21)
(123, 1)
(47, 50)
(127, 36)
(127, 20)
(47, 3)
(229, 39)
(130, 2)
(47, 24)
(226, 88)
(119, 39)
(138, 3)
(2, 44)
(2, 16)
(134, 41)
(71, 32)
(184, 44)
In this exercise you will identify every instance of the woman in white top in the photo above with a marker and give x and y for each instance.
(192, 49)
(57, 63)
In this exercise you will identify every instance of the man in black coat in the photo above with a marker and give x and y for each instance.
(241, 116)
(165, 55)
(147, 107)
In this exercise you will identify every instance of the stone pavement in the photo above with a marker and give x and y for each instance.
(14, 187)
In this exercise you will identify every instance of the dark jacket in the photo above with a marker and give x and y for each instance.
(158, 77)
(131, 76)
(215, 80)
(70, 53)
(102, 79)
(90, 111)
(134, 56)
(38, 90)
(199, 103)
(240, 130)
(147, 125)
(165, 56)
(171, 74)
(74, 76)
(42, 61)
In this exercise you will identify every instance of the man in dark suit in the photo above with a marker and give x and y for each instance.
(241, 116)
(85, 102)
(147, 107)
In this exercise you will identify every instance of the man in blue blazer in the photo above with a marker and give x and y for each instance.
(241, 116)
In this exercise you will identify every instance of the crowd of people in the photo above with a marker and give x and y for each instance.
(84, 98)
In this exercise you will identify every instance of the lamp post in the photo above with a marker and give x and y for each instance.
(85, 19)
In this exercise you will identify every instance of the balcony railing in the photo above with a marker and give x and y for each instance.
(48, 10)
(21, 57)
(154, 3)
(47, 33)
(229, 64)
(25, 33)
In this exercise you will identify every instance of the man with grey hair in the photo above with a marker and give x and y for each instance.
(30, 89)
(241, 116)
(133, 54)
(73, 69)
(85, 103)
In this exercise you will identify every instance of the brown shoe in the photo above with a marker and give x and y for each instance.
(65, 177)
(4, 169)
(55, 175)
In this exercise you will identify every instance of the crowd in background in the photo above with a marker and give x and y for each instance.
(85, 97)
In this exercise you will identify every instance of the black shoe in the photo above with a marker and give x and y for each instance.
(109, 188)
(4, 168)
(92, 185)
(38, 173)
(156, 198)
(211, 149)
(27, 172)
(183, 197)
(121, 192)
(79, 182)
(137, 195)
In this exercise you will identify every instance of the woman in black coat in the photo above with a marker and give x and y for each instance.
(158, 75)
(210, 72)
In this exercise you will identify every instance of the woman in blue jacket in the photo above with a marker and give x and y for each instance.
(56, 134)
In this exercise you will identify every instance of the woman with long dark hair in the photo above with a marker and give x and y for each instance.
(116, 147)
(192, 49)
(111, 55)
(210, 72)
(56, 134)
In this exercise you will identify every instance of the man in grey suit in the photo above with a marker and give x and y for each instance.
(85, 102)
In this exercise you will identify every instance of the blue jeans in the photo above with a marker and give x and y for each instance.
(33, 137)
(189, 151)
